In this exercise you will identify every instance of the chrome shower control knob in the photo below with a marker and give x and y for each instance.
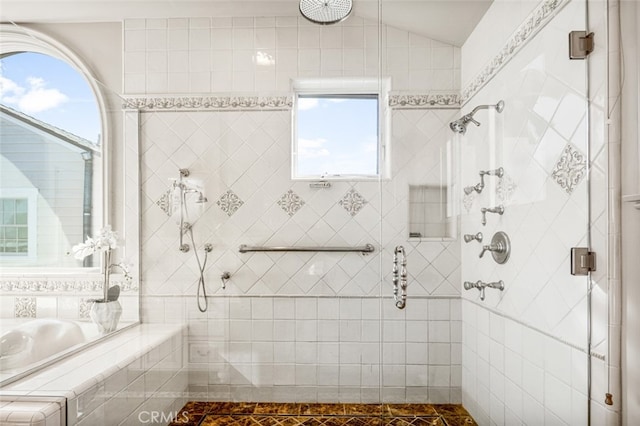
(470, 237)
(500, 248)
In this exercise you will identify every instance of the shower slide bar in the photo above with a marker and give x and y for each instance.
(367, 248)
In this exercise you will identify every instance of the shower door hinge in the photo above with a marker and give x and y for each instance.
(580, 44)
(583, 261)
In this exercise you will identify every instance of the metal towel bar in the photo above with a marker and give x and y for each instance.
(368, 248)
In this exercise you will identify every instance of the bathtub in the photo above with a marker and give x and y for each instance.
(122, 378)
(24, 343)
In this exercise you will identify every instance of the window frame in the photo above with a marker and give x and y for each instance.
(343, 87)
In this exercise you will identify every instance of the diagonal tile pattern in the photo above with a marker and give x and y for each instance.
(243, 155)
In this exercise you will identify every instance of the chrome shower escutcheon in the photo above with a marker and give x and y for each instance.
(500, 248)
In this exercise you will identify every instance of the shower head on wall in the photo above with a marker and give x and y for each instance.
(325, 12)
(201, 198)
(460, 125)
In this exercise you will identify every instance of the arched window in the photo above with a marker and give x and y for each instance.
(52, 152)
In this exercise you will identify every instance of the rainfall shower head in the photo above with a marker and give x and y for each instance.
(325, 12)
(460, 125)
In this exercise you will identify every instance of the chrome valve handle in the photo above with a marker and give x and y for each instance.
(496, 248)
(470, 237)
(400, 277)
(498, 285)
(499, 172)
(498, 209)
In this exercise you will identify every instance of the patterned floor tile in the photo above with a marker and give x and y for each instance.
(317, 409)
(290, 414)
(451, 410)
(460, 421)
(403, 410)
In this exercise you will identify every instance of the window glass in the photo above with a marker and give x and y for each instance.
(337, 135)
(50, 150)
(14, 232)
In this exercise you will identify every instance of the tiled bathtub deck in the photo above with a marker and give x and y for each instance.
(282, 414)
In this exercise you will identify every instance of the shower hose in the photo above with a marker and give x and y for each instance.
(202, 306)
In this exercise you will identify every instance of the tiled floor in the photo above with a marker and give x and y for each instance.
(283, 414)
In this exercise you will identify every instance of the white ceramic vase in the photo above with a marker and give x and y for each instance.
(106, 315)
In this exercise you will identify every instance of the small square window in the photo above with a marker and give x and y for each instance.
(337, 134)
(18, 223)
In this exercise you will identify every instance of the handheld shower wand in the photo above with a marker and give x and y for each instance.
(185, 227)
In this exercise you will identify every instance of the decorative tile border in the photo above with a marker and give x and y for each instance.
(425, 100)
(531, 26)
(61, 285)
(210, 103)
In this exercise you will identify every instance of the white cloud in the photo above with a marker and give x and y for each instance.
(307, 103)
(312, 148)
(36, 98)
(8, 87)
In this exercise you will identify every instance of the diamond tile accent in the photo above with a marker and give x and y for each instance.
(467, 201)
(165, 202)
(352, 202)
(505, 188)
(84, 308)
(291, 202)
(229, 202)
(570, 168)
(25, 307)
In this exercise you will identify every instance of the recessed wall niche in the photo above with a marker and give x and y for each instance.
(430, 212)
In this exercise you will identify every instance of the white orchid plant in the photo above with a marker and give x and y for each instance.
(105, 242)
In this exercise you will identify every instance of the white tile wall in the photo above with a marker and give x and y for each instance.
(299, 338)
(262, 54)
(524, 349)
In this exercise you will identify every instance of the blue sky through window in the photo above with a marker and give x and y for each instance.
(337, 135)
(51, 91)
